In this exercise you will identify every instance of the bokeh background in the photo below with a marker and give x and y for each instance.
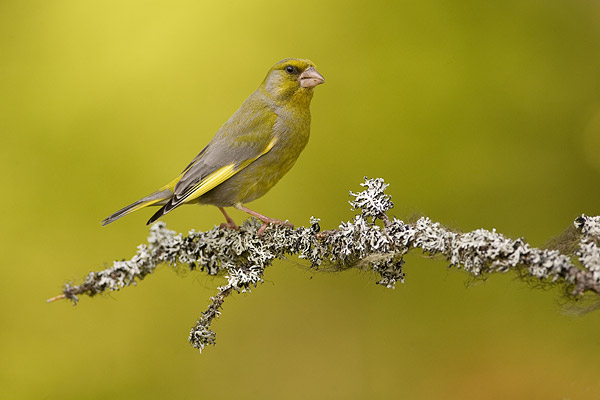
(479, 114)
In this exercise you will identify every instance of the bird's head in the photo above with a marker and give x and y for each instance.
(292, 79)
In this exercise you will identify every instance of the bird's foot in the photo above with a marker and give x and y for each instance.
(265, 220)
(230, 222)
(230, 225)
(268, 221)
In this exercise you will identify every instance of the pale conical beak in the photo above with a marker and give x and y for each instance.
(310, 78)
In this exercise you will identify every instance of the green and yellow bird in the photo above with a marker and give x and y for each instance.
(250, 153)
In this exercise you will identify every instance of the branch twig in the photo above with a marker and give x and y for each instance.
(243, 255)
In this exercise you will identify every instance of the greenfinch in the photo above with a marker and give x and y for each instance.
(250, 153)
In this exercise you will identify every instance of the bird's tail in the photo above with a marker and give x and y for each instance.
(157, 198)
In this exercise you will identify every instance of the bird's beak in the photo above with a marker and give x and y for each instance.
(310, 78)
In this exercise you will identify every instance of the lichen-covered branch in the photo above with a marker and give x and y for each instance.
(363, 242)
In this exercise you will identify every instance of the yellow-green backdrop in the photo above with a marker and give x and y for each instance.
(479, 114)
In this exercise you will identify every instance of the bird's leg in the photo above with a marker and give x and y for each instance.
(265, 220)
(230, 222)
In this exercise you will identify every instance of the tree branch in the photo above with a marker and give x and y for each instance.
(243, 255)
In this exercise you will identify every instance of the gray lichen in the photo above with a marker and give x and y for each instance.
(242, 256)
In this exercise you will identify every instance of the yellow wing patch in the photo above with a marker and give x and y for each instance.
(222, 174)
(212, 181)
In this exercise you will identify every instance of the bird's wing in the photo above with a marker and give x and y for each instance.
(237, 144)
(198, 179)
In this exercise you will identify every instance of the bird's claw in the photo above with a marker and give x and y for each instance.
(272, 221)
(230, 225)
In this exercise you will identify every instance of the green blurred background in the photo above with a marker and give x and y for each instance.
(479, 114)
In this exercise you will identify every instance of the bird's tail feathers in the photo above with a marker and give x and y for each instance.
(162, 211)
(157, 198)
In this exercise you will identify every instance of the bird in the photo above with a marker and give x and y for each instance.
(250, 153)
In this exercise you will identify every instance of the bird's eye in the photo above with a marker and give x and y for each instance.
(290, 69)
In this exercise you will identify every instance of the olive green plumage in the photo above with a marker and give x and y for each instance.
(251, 152)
